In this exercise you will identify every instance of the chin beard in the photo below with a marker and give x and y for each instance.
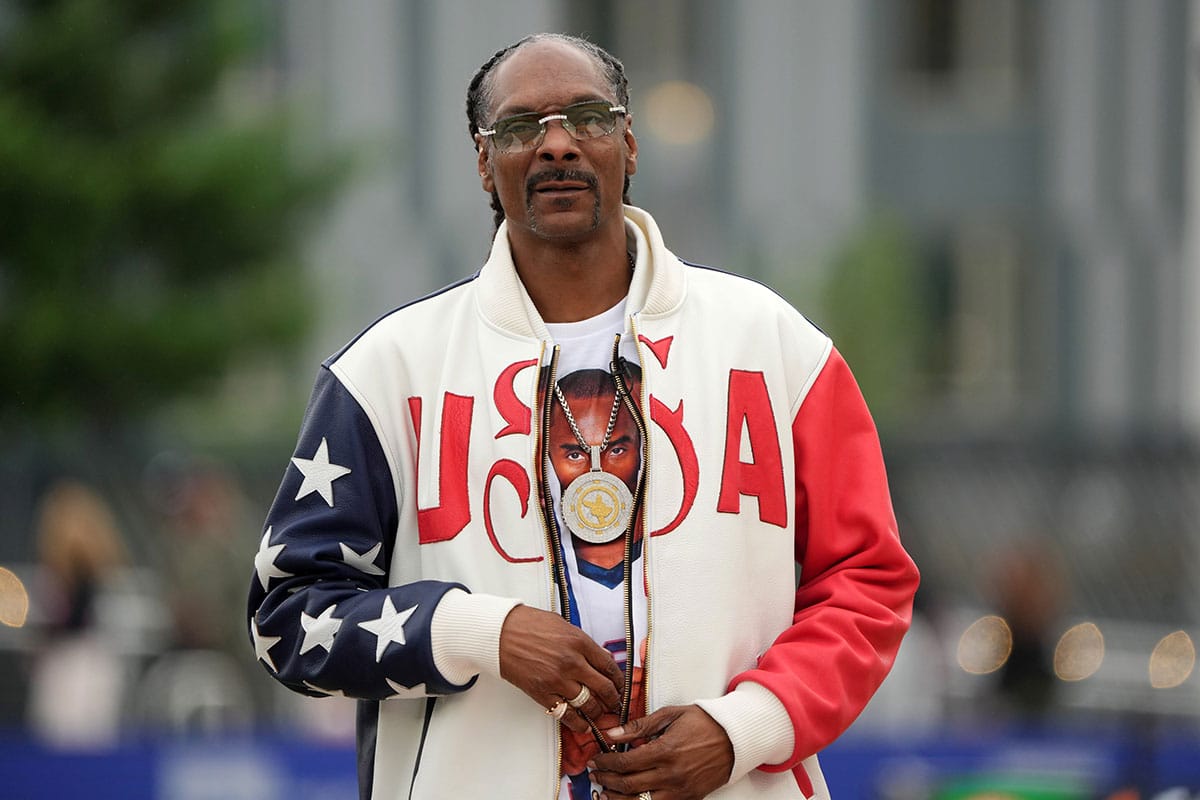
(561, 175)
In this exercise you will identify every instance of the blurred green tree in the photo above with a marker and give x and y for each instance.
(150, 206)
(876, 305)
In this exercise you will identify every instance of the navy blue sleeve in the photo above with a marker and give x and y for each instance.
(323, 619)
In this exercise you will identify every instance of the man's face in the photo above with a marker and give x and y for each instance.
(570, 459)
(564, 189)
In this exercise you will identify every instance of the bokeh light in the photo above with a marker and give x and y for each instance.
(1079, 653)
(1172, 661)
(14, 599)
(679, 113)
(985, 645)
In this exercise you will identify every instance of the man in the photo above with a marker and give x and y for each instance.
(415, 557)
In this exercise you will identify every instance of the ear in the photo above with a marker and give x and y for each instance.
(484, 163)
(631, 146)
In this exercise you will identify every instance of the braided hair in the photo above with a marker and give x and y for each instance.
(480, 100)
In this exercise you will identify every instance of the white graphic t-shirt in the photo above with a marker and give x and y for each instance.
(595, 572)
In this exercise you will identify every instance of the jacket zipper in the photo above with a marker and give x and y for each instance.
(549, 520)
(630, 644)
(553, 536)
(429, 704)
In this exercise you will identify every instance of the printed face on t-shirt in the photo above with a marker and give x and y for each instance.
(570, 459)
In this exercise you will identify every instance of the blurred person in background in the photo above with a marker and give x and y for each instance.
(1028, 586)
(202, 681)
(414, 556)
(78, 681)
(911, 702)
(203, 508)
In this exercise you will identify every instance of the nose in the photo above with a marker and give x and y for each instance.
(557, 144)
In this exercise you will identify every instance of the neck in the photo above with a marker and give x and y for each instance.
(576, 281)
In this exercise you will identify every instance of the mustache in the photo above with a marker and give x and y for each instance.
(572, 175)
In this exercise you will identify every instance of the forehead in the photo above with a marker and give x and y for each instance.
(546, 74)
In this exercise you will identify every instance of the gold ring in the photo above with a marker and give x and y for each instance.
(578, 700)
(558, 709)
(645, 796)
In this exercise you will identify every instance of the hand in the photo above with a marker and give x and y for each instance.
(549, 659)
(687, 756)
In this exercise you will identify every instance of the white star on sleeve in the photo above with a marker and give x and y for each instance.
(328, 692)
(364, 562)
(319, 474)
(388, 628)
(264, 560)
(403, 691)
(263, 645)
(319, 631)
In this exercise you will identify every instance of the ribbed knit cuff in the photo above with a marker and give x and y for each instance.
(757, 724)
(465, 634)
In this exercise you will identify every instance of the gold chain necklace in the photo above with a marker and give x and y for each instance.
(597, 505)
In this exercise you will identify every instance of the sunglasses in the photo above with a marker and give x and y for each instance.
(583, 121)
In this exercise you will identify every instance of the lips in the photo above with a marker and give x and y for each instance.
(560, 186)
(551, 182)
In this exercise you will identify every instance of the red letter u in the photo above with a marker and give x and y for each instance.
(453, 512)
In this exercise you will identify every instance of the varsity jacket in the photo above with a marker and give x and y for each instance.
(411, 520)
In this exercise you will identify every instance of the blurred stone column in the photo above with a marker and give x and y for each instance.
(342, 68)
(386, 81)
(1191, 254)
(797, 121)
(1085, 123)
(1191, 347)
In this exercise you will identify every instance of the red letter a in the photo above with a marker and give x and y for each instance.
(750, 414)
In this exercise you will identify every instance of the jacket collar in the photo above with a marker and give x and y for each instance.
(657, 286)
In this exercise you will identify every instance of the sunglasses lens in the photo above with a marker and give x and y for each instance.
(517, 133)
(590, 120)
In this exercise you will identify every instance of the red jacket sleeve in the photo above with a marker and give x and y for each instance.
(854, 600)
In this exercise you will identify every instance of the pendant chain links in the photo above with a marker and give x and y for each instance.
(612, 419)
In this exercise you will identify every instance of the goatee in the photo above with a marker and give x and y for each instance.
(562, 176)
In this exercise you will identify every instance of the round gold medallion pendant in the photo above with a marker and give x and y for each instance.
(597, 506)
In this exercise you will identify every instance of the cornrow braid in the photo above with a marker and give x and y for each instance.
(480, 100)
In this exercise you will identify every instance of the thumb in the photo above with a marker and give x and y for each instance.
(644, 727)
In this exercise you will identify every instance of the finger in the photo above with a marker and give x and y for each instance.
(557, 708)
(606, 696)
(644, 727)
(609, 681)
(649, 756)
(569, 717)
(581, 698)
(657, 794)
(587, 703)
(617, 784)
(572, 720)
(602, 661)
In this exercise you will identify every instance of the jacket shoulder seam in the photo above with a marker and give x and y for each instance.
(748, 279)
